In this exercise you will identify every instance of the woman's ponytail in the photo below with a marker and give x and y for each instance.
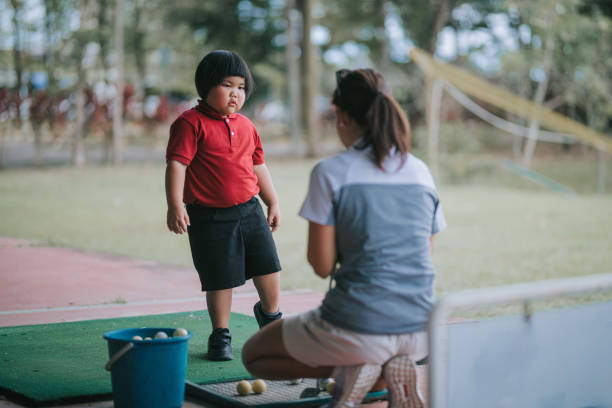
(364, 95)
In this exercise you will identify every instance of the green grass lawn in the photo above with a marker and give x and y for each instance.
(500, 229)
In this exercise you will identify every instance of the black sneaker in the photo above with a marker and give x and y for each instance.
(220, 345)
(264, 318)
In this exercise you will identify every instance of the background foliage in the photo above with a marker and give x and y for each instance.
(503, 40)
(502, 229)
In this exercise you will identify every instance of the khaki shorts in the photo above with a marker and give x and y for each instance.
(317, 343)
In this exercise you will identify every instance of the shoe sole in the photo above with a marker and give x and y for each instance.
(401, 377)
(360, 382)
(219, 358)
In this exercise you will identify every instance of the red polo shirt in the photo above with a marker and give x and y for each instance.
(219, 153)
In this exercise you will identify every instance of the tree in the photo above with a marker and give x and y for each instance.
(308, 70)
(577, 75)
(84, 35)
(248, 28)
(54, 20)
(17, 6)
(362, 23)
(293, 73)
(138, 35)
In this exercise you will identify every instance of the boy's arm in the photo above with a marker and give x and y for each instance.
(176, 218)
(268, 194)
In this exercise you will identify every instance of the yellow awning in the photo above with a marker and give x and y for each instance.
(503, 99)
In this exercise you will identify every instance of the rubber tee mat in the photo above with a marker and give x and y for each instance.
(278, 394)
(64, 362)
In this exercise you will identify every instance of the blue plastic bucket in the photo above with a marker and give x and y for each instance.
(147, 373)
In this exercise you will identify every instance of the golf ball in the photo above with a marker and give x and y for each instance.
(243, 387)
(161, 335)
(180, 332)
(330, 386)
(136, 338)
(259, 386)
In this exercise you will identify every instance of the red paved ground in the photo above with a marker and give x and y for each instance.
(42, 284)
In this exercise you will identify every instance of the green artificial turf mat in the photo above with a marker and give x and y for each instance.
(65, 361)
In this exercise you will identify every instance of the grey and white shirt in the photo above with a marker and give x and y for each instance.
(384, 221)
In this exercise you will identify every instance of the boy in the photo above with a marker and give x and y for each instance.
(215, 165)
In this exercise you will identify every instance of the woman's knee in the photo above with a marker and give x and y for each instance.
(267, 342)
(248, 349)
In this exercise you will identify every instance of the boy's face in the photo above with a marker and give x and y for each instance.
(227, 97)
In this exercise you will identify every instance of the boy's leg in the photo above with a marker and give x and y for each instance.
(264, 356)
(219, 303)
(268, 289)
(266, 310)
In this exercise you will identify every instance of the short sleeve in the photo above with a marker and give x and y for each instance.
(439, 222)
(183, 142)
(258, 153)
(318, 205)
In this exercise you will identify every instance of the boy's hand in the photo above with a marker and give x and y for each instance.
(177, 219)
(274, 217)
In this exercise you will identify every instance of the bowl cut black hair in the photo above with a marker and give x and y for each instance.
(218, 65)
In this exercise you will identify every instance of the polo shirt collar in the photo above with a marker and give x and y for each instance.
(210, 112)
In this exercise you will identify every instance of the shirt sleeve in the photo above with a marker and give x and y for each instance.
(258, 154)
(439, 222)
(183, 142)
(318, 205)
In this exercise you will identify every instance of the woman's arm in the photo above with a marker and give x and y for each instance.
(268, 195)
(322, 248)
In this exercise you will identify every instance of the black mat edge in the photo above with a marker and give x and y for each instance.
(26, 401)
(197, 391)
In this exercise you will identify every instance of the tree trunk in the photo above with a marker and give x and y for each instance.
(442, 15)
(384, 59)
(103, 37)
(118, 100)
(103, 40)
(51, 11)
(293, 75)
(78, 141)
(140, 51)
(309, 84)
(4, 130)
(434, 100)
(17, 63)
(540, 94)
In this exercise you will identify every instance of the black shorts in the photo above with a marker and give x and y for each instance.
(231, 245)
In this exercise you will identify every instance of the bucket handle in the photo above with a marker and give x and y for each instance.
(118, 355)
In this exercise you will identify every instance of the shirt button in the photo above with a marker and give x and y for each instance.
(226, 120)
(232, 133)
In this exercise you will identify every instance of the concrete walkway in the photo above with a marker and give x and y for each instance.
(41, 284)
